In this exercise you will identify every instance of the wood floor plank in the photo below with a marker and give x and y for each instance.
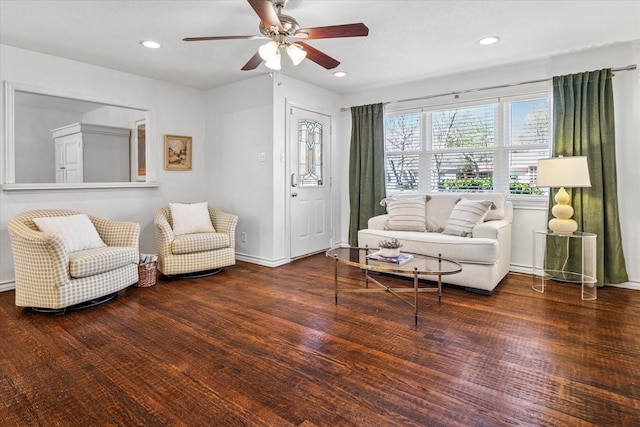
(259, 346)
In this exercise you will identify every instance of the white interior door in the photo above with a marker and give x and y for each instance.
(68, 155)
(310, 182)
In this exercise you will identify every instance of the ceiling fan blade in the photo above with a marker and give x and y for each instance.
(333, 31)
(318, 57)
(253, 63)
(197, 39)
(266, 12)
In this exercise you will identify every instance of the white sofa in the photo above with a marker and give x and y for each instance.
(485, 254)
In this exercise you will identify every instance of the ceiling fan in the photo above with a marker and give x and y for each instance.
(284, 32)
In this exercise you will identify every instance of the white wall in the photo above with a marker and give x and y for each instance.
(529, 217)
(239, 126)
(177, 111)
(113, 116)
(244, 120)
(34, 144)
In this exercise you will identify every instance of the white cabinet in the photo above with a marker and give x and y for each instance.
(92, 153)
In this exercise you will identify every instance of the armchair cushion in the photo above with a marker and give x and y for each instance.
(100, 260)
(76, 231)
(190, 218)
(198, 242)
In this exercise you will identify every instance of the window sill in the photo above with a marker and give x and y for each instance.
(529, 202)
(78, 186)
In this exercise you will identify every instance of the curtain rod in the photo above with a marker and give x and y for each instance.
(627, 68)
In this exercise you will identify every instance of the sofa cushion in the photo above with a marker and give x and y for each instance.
(440, 206)
(465, 215)
(455, 248)
(190, 218)
(198, 242)
(405, 213)
(77, 232)
(100, 260)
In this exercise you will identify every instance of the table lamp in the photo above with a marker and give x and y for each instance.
(563, 172)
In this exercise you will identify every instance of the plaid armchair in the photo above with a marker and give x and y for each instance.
(197, 252)
(49, 277)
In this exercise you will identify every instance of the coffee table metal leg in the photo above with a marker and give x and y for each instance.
(439, 279)
(335, 279)
(415, 295)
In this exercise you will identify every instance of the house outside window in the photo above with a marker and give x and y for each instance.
(485, 145)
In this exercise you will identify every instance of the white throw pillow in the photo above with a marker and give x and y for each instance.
(405, 213)
(466, 214)
(76, 231)
(191, 218)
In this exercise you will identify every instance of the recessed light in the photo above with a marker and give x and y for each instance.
(150, 44)
(339, 74)
(489, 40)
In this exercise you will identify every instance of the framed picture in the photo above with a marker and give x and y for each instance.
(177, 153)
(139, 158)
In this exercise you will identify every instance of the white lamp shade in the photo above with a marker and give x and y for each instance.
(563, 172)
(268, 50)
(274, 63)
(296, 53)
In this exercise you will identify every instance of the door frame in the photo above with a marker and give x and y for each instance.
(289, 105)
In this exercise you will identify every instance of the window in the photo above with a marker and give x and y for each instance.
(310, 140)
(486, 145)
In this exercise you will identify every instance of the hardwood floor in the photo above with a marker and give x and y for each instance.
(260, 346)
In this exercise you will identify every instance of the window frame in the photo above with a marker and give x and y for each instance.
(502, 99)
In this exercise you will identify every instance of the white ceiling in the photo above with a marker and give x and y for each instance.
(408, 40)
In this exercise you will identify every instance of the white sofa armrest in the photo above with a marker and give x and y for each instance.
(490, 229)
(378, 222)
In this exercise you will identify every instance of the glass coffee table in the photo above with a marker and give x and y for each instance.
(418, 267)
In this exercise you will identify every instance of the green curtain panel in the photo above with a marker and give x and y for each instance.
(366, 167)
(584, 126)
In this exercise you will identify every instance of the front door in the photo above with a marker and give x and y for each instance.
(309, 182)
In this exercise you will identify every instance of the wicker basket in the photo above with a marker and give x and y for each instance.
(147, 272)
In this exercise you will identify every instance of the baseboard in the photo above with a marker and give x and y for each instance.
(526, 269)
(9, 286)
(627, 285)
(519, 268)
(261, 261)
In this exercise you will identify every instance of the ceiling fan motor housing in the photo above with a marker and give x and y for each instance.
(289, 27)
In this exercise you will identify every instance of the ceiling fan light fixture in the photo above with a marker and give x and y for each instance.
(339, 74)
(268, 50)
(274, 63)
(296, 53)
